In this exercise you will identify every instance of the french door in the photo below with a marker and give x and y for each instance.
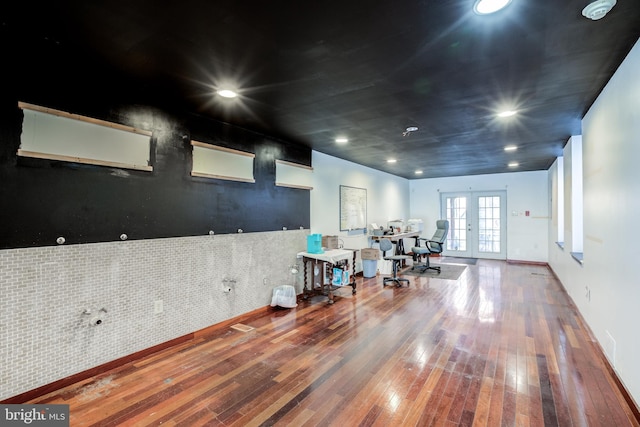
(477, 224)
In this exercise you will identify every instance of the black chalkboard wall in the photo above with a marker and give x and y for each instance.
(42, 200)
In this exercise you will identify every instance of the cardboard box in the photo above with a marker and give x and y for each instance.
(330, 242)
(370, 253)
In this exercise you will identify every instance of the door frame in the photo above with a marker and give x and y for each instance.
(473, 229)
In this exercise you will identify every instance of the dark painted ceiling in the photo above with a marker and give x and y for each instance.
(309, 72)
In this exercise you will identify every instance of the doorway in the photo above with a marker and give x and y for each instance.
(477, 224)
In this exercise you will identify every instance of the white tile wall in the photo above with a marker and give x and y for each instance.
(44, 335)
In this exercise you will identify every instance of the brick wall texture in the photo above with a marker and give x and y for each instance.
(46, 293)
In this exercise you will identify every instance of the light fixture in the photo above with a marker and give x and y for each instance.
(507, 113)
(598, 9)
(510, 148)
(342, 140)
(514, 164)
(418, 172)
(391, 160)
(485, 7)
(227, 93)
(409, 130)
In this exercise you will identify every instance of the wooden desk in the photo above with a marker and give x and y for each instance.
(325, 262)
(399, 239)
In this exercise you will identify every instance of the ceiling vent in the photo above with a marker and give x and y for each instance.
(597, 9)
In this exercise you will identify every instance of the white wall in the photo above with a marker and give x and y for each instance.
(527, 237)
(611, 155)
(387, 197)
(390, 197)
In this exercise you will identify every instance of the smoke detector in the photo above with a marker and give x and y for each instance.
(597, 9)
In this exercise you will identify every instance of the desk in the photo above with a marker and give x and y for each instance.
(398, 238)
(325, 262)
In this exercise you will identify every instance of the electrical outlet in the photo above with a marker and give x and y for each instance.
(158, 306)
(264, 280)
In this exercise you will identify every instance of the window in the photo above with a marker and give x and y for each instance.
(559, 201)
(294, 175)
(210, 161)
(57, 135)
(489, 224)
(456, 213)
(573, 196)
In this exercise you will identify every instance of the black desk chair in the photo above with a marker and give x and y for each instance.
(386, 245)
(435, 245)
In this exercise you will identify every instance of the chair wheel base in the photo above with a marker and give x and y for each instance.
(397, 281)
(422, 268)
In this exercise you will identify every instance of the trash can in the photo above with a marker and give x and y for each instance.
(369, 267)
(284, 296)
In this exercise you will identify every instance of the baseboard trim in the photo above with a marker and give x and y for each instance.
(517, 261)
(633, 406)
(118, 363)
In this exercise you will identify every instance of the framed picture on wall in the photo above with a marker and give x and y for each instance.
(353, 208)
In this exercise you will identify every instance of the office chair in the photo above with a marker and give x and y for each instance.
(435, 245)
(386, 245)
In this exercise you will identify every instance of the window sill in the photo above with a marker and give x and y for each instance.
(578, 256)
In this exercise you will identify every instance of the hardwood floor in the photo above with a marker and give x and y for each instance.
(501, 346)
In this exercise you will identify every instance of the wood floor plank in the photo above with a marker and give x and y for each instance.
(481, 413)
(501, 346)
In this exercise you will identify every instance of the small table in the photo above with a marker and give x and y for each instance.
(399, 239)
(332, 258)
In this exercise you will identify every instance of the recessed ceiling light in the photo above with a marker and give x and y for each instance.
(510, 148)
(514, 164)
(342, 140)
(226, 93)
(507, 113)
(418, 172)
(409, 130)
(485, 7)
(391, 160)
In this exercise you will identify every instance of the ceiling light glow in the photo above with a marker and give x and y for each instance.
(514, 164)
(510, 148)
(342, 140)
(226, 93)
(391, 161)
(507, 113)
(418, 172)
(485, 7)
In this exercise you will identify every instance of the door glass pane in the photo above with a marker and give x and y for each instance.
(456, 213)
(489, 225)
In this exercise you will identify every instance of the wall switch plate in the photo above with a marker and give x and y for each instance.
(158, 306)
